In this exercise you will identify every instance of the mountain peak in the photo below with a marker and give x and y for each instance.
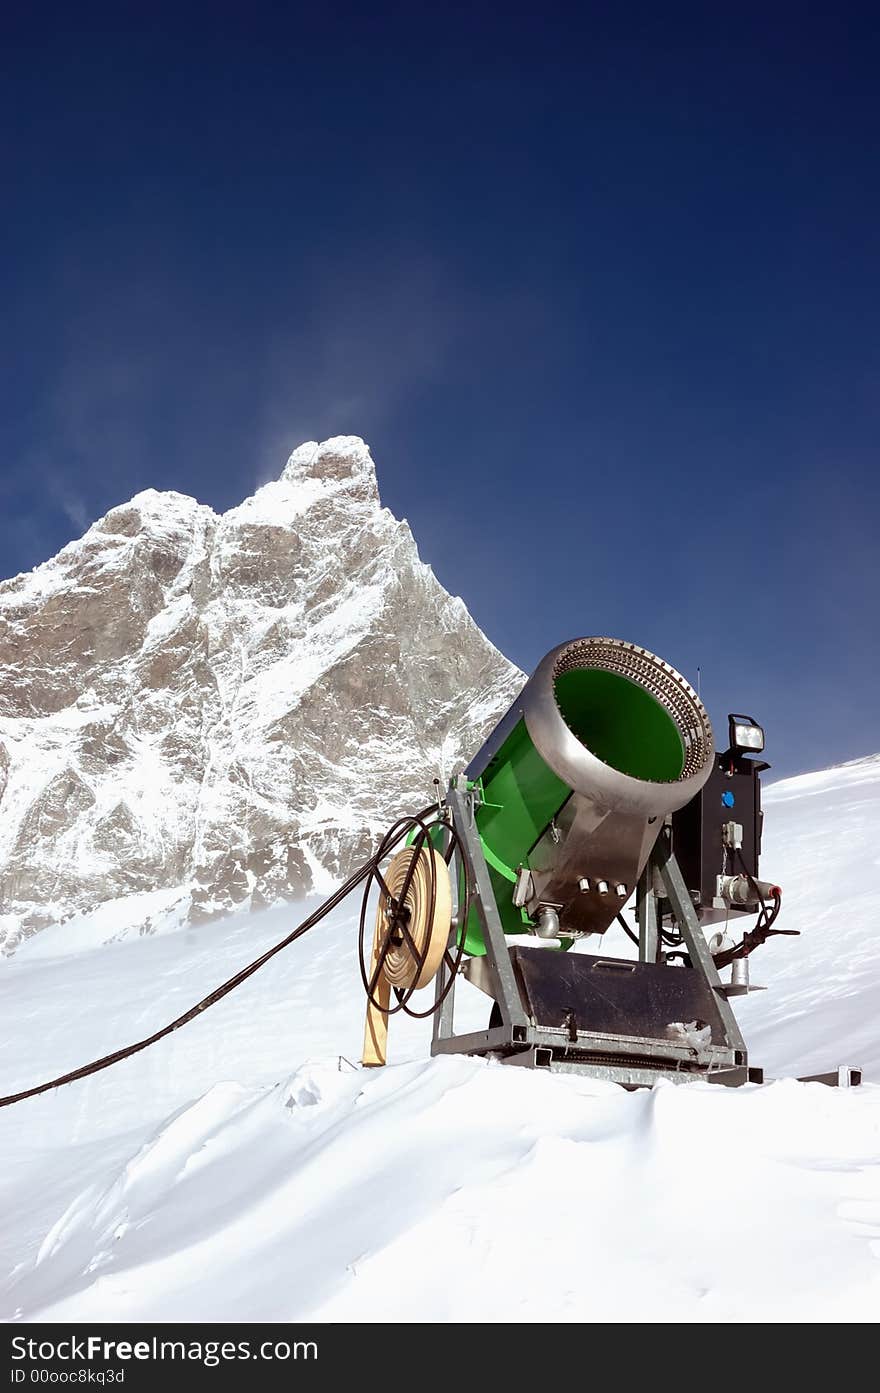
(341, 464)
(149, 510)
(228, 708)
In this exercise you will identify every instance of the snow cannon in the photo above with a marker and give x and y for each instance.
(601, 784)
(604, 741)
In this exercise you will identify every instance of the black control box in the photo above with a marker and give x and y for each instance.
(704, 829)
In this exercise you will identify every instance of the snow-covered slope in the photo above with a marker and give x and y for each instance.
(242, 1170)
(823, 846)
(228, 707)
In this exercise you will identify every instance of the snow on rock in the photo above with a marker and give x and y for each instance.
(243, 1169)
(233, 705)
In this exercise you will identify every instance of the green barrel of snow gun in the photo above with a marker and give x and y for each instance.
(574, 782)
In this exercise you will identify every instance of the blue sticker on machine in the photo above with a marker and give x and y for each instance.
(728, 799)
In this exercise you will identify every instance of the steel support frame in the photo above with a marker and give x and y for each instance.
(469, 861)
(517, 1040)
(684, 914)
(648, 916)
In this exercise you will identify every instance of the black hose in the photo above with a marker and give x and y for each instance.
(367, 870)
(627, 930)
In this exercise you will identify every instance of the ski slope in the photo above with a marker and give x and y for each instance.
(242, 1169)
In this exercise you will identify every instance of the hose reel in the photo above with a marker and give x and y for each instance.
(410, 938)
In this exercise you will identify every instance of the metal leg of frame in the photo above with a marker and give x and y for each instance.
(647, 913)
(461, 806)
(443, 1019)
(694, 938)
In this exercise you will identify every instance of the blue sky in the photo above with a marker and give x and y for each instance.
(598, 283)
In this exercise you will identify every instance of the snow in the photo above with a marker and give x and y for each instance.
(242, 1169)
(272, 693)
(828, 980)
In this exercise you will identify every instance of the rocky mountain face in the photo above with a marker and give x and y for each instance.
(233, 706)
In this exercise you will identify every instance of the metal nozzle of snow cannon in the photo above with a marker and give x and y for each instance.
(604, 741)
